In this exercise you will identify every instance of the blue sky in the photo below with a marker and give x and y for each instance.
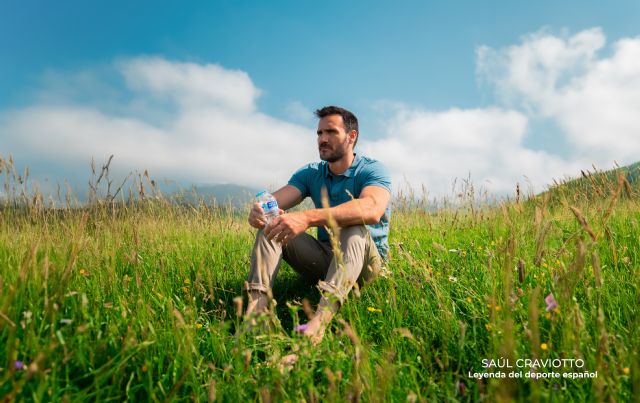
(403, 67)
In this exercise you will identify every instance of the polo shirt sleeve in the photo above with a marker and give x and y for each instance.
(376, 174)
(301, 179)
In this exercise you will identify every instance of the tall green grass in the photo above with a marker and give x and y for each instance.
(138, 300)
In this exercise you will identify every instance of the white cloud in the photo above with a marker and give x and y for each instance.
(216, 136)
(594, 100)
(192, 85)
(432, 148)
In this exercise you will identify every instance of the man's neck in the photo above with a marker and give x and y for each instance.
(338, 167)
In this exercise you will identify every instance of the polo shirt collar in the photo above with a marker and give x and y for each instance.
(348, 173)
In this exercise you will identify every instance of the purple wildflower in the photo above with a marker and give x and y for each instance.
(18, 365)
(551, 302)
(301, 328)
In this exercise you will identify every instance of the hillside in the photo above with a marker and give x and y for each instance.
(596, 184)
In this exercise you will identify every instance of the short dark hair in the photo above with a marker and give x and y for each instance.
(348, 118)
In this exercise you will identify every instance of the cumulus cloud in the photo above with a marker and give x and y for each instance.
(594, 99)
(215, 136)
(430, 149)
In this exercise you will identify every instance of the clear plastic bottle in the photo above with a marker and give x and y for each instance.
(269, 205)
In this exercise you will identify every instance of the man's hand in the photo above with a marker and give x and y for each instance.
(287, 226)
(256, 216)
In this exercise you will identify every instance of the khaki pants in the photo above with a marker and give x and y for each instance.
(315, 261)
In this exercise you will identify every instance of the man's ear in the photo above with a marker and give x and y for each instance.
(353, 135)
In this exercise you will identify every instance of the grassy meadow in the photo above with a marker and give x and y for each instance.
(140, 301)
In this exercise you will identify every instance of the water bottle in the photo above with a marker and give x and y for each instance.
(269, 205)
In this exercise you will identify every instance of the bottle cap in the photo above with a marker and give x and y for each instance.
(261, 193)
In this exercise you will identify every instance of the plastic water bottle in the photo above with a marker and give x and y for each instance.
(269, 205)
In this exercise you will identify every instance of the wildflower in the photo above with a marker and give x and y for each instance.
(18, 365)
(498, 308)
(488, 327)
(547, 315)
(372, 309)
(545, 265)
(83, 272)
(544, 346)
(187, 281)
(551, 302)
(626, 370)
(453, 279)
(198, 325)
(469, 299)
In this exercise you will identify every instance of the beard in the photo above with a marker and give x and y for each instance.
(333, 155)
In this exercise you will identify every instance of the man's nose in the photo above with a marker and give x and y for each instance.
(322, 138)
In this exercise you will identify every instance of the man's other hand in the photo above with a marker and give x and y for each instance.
(287, 226)
(256, 216)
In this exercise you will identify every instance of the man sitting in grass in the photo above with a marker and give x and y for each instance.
(357, 192)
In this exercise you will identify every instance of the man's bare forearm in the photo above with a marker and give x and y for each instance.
(353, 212)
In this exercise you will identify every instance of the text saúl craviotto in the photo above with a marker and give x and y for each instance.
(572, 368)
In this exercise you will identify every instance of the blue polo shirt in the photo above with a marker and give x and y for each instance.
(363, 172)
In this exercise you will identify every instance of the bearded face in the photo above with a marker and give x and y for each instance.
(333, 141)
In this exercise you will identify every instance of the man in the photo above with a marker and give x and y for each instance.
(358, 190)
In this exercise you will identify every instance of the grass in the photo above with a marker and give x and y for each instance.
(138, 301)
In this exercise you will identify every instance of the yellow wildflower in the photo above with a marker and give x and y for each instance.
(469, 299)
(187, 281)
(488, 327)
(547, 315)
(544, 346)
(198, 325)
(83, 272)
(626, 370)
(372, 309)
(498, 308)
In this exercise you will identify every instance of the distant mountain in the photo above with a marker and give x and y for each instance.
(220, 194)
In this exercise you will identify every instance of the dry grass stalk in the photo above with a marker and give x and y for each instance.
(212, 391)
(612, 245)
(521, 274)
(614, 198)
(583, 221)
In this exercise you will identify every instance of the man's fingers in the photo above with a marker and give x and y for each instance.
(271, 230)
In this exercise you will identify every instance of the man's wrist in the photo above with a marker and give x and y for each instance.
(315, 217)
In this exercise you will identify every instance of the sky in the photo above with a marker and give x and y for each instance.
(498, 93)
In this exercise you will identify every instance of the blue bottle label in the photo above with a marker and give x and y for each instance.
(270, 205)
